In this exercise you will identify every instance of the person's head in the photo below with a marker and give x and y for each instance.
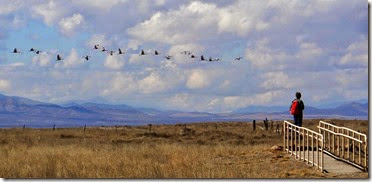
(298, 95)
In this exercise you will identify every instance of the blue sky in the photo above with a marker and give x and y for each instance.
(316, 47)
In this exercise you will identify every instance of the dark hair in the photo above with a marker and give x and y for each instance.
(298, 95)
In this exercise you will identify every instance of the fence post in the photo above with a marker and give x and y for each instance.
(277, 130)
(266, 124)
(85, 127)
(150, 125)
(54, 127)
(254, 125)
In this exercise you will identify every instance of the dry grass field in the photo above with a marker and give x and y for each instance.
(201, 150)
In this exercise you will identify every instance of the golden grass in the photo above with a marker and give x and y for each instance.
(230, 151)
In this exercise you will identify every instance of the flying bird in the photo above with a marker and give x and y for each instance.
(59, 58)
(103, 49)
(202, 58)
(192, 56)
(16, 51)
(32, 50)
(186, 52)
(120, 52)
(86, 57)
(38, 52)
(96, 46)
(238, 58)
(142, 53)
(111, 53)
(168, 57)
(216, 59)
(156, 52)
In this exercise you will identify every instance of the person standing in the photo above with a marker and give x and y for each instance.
(296, 109)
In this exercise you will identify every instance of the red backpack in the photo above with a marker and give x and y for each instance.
(295, 110)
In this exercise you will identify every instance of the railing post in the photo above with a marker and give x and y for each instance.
(287, 131)
(292, 151)
(303, 143)
(339, 143)
(295, 138)
(317, 150)
(360, 154)
(365, 152)
(333, 140)
(353, 147)
(322, 153)
(348, 146)
(329, 139)
(343, 144)
(284, 144)
(312, 146)
(307, 147)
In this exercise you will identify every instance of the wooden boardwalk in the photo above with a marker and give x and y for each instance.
(334, 166)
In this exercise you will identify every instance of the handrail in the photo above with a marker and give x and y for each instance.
(341, 127)
(356, 144)
(347, 136)
(294, 138)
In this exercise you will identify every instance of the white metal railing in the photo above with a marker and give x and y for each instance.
(345, 144)
(300, 142)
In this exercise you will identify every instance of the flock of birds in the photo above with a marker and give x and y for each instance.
(97, 47)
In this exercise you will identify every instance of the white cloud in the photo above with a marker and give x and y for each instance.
(356, 54)
(263, 57)
(122, 84)
(270, 97)
(98, 4)
(73, 60)
(99, 39)
(43, 59)
(182, 100)
(308, 50)
(9, 6)
(50, 12)
(114, 62)
(278, 80)
(178, 26)
(152, 84)
(197, 80)
(69, 25)
(4, 85)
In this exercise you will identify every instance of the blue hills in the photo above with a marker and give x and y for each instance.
(19, 111)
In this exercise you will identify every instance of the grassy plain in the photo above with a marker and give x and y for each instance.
(199, 150)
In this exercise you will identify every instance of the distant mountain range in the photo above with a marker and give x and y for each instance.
(17, 111)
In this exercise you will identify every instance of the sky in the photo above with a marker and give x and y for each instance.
(317, 47)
